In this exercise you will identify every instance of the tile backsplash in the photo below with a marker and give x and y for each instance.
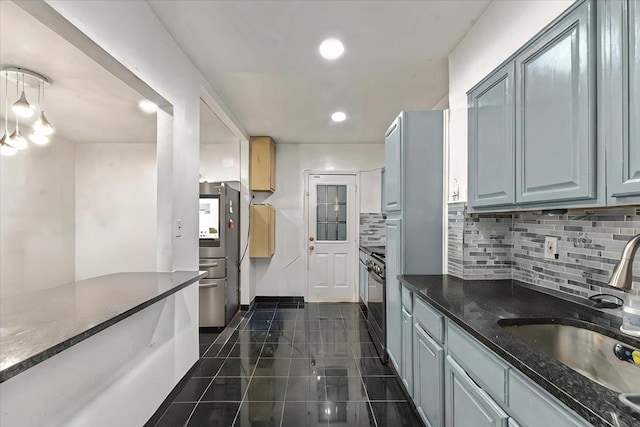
(372, 229)
(510, 245)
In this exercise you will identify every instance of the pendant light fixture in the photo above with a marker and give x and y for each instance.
(17, 140)
(21, 107)
(42, 128)
(6, 148)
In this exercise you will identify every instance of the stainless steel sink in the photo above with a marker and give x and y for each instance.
(588, 352)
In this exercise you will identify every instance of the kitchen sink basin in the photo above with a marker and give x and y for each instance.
(588, 352)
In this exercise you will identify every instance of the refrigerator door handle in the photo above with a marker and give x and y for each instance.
(214, 264)
(214, 285)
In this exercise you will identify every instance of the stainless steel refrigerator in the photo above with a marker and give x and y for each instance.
(219, 253)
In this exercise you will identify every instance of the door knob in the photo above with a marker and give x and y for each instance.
(311, 248)
(311, 239)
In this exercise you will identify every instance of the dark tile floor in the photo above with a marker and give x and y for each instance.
(291, 365)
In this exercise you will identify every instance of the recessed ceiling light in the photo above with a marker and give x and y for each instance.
(331, 49)
(148, 106)
(338, 116)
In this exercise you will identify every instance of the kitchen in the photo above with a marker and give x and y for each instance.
(508, 27)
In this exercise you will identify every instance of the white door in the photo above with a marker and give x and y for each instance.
(332, 238)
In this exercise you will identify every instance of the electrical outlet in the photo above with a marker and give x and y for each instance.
(178, 231)
(550, 247)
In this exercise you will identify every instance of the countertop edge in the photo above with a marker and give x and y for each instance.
(564, 397)
(30, 362)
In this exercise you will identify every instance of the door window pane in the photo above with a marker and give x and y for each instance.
(322, 193)
(332, 231)
(322, 231)
(342, 231)
(342, 194)
(331, 208)
(322, 213)
(332, 193)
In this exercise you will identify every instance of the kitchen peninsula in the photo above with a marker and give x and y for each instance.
(86, 337)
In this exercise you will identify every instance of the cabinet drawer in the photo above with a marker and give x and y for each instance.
(407, 300)
(533, 406)
(430, 320)
(479, 362)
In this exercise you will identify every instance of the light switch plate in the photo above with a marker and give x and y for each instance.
(550, 247)
(178, 231)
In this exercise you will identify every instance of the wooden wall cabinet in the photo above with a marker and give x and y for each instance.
(262, 164)
(262, 235)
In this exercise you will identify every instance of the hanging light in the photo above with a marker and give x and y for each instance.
(6, 147)
(17, 140)
(42, 126)
(21, 107)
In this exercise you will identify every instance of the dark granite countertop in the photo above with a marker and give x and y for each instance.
(38, 325)
(478, 305)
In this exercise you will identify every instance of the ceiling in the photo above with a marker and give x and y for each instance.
(212, 129)
(262, 59)
(86, 103)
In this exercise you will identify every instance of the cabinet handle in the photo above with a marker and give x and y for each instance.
(311, 247)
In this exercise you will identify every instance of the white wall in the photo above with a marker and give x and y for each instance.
(220, 162)
(37, 214)
(504, 27)
(133, 35)
(284, 273)
(115, 208)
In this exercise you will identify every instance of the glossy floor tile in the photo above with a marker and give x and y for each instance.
(291, 365)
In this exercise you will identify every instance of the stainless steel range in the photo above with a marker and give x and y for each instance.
(376, 304)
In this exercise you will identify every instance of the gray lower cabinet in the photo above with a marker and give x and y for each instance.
(491, 140)
(393, 293)
(393, 167)
(407, 351)
(555, 117)
(534, 407)
(428, 369)
(466, 403)
(621, 98)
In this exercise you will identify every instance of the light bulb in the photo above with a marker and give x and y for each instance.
(338, 116)
(22, 107)
(331, 49)
(42, 126)
(17, 140)
(39, 139)
(5, 148)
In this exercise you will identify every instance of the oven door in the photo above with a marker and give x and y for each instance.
(376, 319)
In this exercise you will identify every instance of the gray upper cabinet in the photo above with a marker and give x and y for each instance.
(555, 112)
(620, 91)
(491, 140)
(393, 167)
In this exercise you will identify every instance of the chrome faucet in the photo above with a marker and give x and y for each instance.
(621, 276)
